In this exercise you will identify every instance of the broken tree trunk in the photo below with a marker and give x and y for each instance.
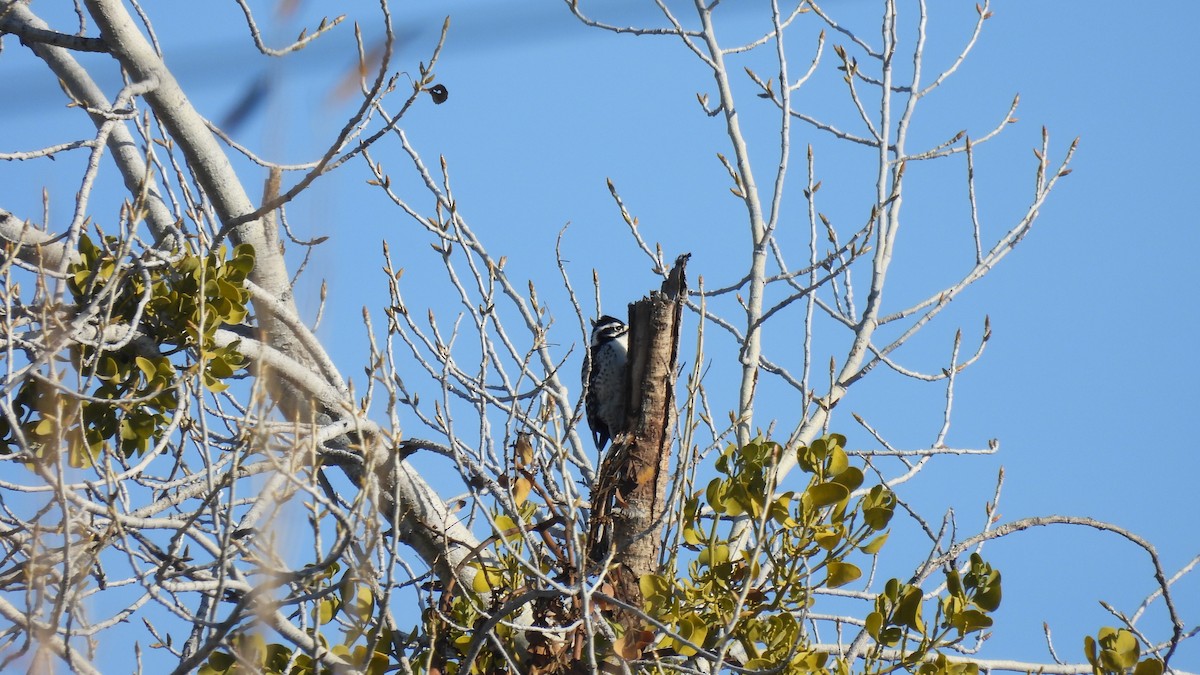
(629, 500)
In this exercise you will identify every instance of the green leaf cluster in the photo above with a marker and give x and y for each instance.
(251, 655)
(343, 598)
(1115, 651)
(498, 576)
(189, 299)
(757, 595)
(800, 541)
(971, 596)
(131, 391)
(897, 620)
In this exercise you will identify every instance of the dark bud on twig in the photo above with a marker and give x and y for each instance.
(438, 93)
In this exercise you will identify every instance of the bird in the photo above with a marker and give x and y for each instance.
(604, 379)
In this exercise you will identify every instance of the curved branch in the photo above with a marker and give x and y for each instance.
(1160, 576)
(121, 144)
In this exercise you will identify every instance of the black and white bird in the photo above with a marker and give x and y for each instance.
(604, 379)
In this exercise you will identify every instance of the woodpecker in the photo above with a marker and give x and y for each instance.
(604, 379)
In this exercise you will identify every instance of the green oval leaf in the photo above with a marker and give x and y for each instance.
(841, 573)
(1148, 667)
(327, 609)
(694, 629)
(872, 547)
(851, 477)
(825, 494)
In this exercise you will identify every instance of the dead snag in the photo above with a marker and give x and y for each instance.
(629, 498)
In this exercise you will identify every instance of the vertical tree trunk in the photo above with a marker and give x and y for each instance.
(629, 502)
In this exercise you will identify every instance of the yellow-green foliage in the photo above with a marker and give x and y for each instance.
(715, 592)
(1115, 651)
(131, 391)
(343, 598)
(799, 541)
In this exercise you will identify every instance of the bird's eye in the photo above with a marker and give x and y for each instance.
(438, 93)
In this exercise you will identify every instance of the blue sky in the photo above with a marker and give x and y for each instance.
(1089, 379)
